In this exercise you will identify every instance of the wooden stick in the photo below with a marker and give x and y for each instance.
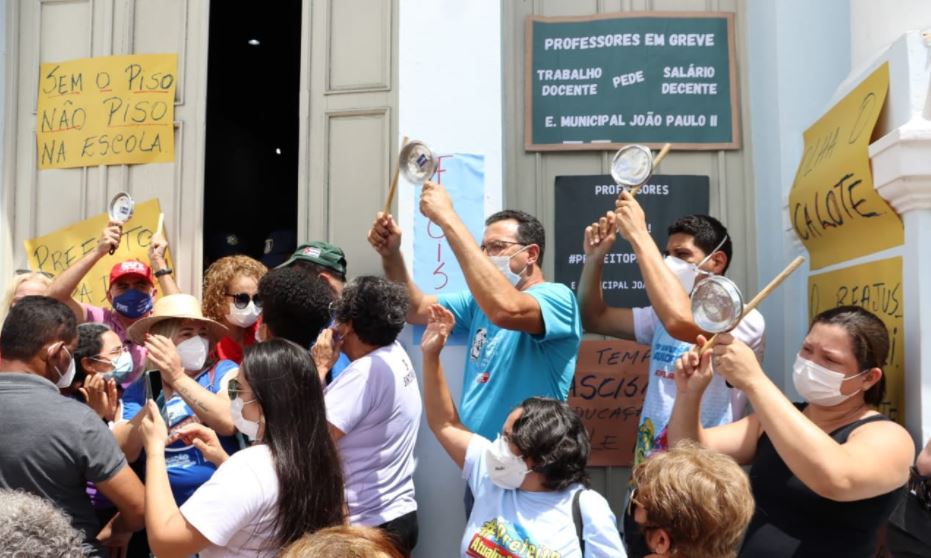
(161, 224)
(760, 296)
(394, 181)
(659, 157)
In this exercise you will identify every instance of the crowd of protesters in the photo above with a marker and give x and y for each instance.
(279, 414)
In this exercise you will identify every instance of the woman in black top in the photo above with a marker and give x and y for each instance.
(825, 474)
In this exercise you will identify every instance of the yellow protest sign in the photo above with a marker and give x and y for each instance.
(109, 110)
(56, 252)
(833, 206)
(877, 287)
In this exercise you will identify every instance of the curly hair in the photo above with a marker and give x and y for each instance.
(344, 541)
(701, 498)
(295, 305)
(376, 307)
(551, 434)
(32, 526)
(218, 278)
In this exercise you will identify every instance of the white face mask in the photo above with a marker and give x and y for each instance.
(248, 427)
(193, 352)
(505, 469)
(820, 385)
(243, 317)
(503, 263)
(687, 272)
(64, 380)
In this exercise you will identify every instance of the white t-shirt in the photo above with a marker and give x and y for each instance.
(527, 524)
(376, 403)
(235, 510)
(720, 404)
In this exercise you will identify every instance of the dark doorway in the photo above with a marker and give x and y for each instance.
(253, 77)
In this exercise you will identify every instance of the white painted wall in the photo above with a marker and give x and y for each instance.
(875, 25)
(798, 55)
(6, 250)
(449, 96)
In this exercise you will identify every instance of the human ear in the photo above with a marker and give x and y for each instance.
(658, 541)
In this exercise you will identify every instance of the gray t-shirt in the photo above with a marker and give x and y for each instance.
(51, 446)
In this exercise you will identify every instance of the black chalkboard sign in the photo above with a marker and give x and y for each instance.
(599, 82)
(583, 199)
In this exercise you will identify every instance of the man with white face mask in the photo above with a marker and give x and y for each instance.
(523, 331)
(53, 445)
(697, 246)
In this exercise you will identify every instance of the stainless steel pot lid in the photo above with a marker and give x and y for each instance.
(632, 165)
(417, 162)
(716, 304)
(121, 208)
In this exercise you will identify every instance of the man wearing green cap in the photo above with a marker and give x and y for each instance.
(318, 260)
(321, 259)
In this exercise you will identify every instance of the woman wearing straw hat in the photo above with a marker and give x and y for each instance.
(178, 339)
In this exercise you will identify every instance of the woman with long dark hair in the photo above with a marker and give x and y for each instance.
(266, 496)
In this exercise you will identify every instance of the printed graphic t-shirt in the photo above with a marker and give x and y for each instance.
(720, 404)
(523, 524)
(504, 366)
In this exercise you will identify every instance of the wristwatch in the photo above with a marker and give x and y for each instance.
(163, 271)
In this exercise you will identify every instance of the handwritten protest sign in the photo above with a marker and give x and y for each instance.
(55, 252)
(110, 110)
(436, 270)
(833, 206)
(607, 392)
(877, 287)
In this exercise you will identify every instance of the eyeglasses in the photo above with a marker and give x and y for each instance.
(495, 247)
(116, 353)
(241, 300)
(28, 271)
(632, 501)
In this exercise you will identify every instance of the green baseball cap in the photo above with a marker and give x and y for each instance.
(320, 253)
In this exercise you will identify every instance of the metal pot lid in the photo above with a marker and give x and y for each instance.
(632, 165)
(121, 208)
(716, 304)
(417, 162)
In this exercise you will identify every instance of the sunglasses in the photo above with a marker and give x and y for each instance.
(241, 300)
(28, 271)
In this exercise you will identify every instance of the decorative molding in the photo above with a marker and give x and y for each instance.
(902, 167)
(385, 83)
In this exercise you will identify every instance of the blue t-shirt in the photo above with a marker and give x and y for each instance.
(187, 468)
(504, 366)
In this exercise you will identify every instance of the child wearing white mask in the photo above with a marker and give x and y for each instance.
(194, 387)
(231, 287)
(530, 484)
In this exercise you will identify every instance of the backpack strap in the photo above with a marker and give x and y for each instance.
(577, 518)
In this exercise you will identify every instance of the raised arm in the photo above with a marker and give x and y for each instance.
(737, 439)
(667, 297)
(504, 305)
(169, 533)
(874, 460)
(385, 238)
(213, 409)
(62, 288)
(438, 402)
(166, 281)
(597, 316)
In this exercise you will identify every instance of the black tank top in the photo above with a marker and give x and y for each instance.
(791, 520)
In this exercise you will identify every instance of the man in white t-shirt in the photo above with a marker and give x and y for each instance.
(374, 406)
(698, 245)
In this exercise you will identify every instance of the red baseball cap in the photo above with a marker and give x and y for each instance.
(132, 267)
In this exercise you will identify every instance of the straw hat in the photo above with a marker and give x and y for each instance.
(182, 306)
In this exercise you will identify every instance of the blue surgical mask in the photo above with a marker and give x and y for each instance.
(133, 304)
(122, 367)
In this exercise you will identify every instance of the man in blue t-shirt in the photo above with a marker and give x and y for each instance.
(523, 332)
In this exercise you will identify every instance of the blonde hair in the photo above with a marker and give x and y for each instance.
(344, 541)
(14, 286)
(701, 498)
(217, 280)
